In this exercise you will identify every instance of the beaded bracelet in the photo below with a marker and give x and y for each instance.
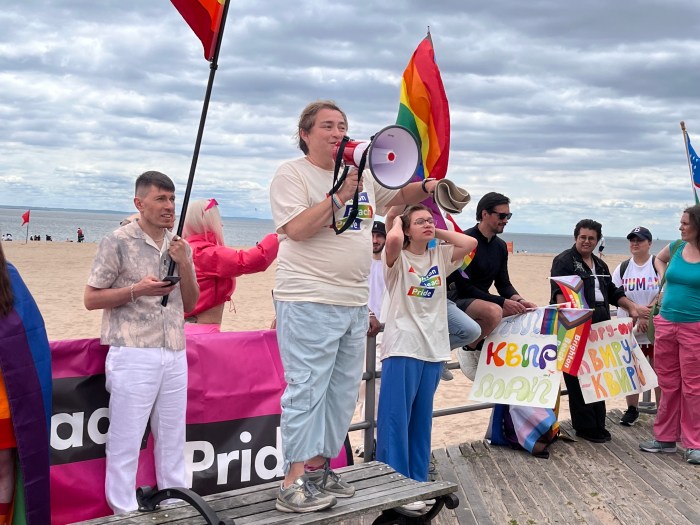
(131, 292)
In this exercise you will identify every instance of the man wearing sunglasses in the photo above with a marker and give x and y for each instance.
(470, 288)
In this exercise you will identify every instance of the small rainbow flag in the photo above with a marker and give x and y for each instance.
(204, 18)
(572, 288)
(571, 326)
(467, 260)
(424, 110)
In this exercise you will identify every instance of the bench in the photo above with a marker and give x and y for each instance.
(379, 490)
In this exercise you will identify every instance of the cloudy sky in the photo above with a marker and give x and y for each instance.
(572, 109)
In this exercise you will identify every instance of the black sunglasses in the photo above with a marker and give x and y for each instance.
(502, 216)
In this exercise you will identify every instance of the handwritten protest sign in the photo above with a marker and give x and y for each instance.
(518, 364)
(613, 364)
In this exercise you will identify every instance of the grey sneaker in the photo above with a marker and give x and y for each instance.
(330, 483)
(303, 496)
(446, 374)
(658, 446)
(630, 417)
(692, 455)
(468, 361)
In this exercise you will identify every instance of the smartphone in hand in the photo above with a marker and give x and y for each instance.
(171, 279)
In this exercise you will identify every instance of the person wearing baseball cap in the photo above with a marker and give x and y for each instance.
(640, 280)
(640, 232)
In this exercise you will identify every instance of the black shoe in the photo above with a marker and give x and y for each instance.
(592, 436)
(606, 435)
(630, 417)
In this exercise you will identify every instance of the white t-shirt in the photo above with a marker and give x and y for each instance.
(641, 285)
(416, 312)
(327, 268)
(377, 288)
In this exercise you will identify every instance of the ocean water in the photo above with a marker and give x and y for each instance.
(62, 225)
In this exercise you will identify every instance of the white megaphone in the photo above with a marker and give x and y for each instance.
(392, 156)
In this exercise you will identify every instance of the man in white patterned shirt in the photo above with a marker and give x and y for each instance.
(146, 367)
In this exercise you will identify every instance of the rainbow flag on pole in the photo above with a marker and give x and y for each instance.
(424, 110)
(204, 18)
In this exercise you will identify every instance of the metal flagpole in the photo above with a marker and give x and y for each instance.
(202, 121)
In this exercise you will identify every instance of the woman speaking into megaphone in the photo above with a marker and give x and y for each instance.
(320, 296)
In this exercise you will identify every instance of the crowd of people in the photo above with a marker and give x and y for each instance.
(431, 289)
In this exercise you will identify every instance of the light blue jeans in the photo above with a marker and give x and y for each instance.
(322, 347)
(463, 329)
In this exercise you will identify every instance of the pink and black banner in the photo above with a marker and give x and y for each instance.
(233, 412)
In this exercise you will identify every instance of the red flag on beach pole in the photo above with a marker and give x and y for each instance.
(204, 18)
(25, 220)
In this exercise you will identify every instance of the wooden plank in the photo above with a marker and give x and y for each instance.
(446, 469)
(472, 475)
(549, 495)
(506, 494)
(519, 484)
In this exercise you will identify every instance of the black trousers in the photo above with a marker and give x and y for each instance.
(588, 418)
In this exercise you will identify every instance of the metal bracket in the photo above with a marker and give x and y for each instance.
(407, 517)
(148, 499)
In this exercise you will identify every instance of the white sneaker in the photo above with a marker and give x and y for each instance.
(468, 361)
(360, 451)
(415, 506)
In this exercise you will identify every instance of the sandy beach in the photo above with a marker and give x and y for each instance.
(56, 273)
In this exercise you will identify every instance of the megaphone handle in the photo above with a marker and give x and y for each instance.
(350, 219)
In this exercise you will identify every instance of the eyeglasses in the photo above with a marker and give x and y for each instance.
(421, 222)
(501, 216)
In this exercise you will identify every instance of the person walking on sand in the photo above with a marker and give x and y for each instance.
(146, 366)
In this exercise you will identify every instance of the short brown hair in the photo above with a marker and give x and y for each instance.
(406, 219)
(307, 119)
(153, 178)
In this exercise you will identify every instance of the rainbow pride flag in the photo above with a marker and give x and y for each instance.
(204, 18)
(571, 287)
(571, 326)
(423, 109)
(25, 363)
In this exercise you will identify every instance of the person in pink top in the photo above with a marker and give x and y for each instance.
(217, 265)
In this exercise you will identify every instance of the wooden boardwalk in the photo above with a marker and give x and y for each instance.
(580, 483)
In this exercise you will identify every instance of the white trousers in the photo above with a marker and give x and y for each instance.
(144, 383)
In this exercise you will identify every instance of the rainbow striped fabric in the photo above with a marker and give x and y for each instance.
(25, 362)
(572, 289)
(424, 110)
(204, 18)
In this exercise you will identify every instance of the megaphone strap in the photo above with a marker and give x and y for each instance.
(354, 210)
